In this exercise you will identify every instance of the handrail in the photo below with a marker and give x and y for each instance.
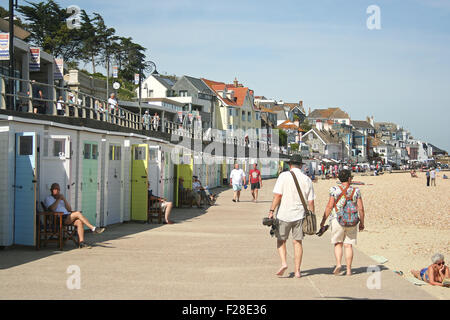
(78, 104)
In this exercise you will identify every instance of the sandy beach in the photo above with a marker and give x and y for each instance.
(406, 221)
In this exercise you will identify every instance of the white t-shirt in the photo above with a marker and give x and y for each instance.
(196, 186)
(291, 207)
(236, 176)
(433, 174)
(61, 205)
(59, 105)
(112, 103)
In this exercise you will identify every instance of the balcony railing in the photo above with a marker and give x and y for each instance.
(76, 104)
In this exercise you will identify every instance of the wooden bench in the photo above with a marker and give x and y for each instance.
(154, 211)
(50, 228)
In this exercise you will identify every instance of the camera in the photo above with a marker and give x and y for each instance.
(268, 222)
(272, 223)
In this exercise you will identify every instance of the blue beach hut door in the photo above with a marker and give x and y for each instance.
(25, 189)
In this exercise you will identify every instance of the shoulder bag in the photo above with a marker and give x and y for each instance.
(309, 222)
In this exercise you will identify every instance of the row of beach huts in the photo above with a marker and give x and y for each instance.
(105, 174)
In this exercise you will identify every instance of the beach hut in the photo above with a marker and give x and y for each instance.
(155, 170)
(168, 181)
(25, 187)
(139, 182)
(56, 165)
(89, 176)
(113, 185)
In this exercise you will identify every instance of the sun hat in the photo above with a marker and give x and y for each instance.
(296, 159)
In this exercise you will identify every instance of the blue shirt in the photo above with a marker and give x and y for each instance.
(61, 205)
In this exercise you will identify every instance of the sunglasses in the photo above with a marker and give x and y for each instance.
(441, 263)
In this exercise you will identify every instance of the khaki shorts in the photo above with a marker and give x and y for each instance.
(284, 228)
(340, 234)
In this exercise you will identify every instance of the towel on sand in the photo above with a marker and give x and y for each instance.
(379, 259)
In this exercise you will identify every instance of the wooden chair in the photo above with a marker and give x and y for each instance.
(52, 229)
(185, 198)
(154, 211)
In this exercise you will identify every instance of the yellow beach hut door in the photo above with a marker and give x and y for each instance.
(139, 182)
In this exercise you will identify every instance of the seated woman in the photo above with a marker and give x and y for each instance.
(413, 174)
(435, 273)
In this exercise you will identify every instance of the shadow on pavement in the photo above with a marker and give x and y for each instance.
(17, 255)
(329, 271)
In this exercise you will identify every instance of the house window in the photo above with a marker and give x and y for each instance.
(243, 115)
(183, 93)
(249, 117)
(258, 116)
(150, 93)
(230, 112)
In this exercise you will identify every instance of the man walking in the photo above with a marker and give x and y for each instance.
(254, 177)
(236, 177)
(427, 174)
(291, 212)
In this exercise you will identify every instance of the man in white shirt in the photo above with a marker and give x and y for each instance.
(433, 176)
(291, 212)
(113, 105)
(236, 177)
(56, 202)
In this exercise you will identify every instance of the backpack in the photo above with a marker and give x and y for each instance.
(347, 216)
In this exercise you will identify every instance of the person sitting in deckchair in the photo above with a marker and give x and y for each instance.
(56, 202)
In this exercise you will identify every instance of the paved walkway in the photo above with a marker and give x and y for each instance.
(224, 253)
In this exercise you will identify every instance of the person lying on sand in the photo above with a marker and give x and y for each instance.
(413, 174)
(435, 273)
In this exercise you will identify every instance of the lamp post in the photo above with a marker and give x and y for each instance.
(12, 4)
(149, 66)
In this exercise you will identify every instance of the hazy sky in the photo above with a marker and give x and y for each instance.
(320, 52)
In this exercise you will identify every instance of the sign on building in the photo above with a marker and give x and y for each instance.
(115, 72)
(58, 69)
(35, 59)
(4, 46)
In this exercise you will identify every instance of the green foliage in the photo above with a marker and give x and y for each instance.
(305, 126)
(283, 138)
(294, 147)
(46, 21)
(94, 42)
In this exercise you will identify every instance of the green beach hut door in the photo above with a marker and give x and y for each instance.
(139, 183)
(25, 189)
(89, 181)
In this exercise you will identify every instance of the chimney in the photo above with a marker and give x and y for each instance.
(319, 124)
(301, 104)
(236, 82)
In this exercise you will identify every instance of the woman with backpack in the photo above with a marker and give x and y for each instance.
(345, 209)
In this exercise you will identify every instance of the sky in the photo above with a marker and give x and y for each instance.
(320, 52)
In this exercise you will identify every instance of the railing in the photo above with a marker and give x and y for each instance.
(42, 98)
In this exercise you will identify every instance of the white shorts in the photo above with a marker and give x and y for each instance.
(340, 234)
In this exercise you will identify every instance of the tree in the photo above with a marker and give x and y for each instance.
(305, 126)
(5, 15)
(283, 138)
(46, 21)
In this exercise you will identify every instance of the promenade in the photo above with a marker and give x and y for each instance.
(221, 253)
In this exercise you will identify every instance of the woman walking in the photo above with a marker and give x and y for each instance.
(346, 208)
